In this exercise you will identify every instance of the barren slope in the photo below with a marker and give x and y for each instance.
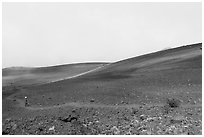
(145, 79)
(29, 76)
(126, 97)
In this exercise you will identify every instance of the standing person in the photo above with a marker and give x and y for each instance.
(26, 101)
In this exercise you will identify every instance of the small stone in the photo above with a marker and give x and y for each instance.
(92, 100)
(73, 110)
(8, 119)
(115, 130)
(52, 128)
(142, 117)
(13, 125)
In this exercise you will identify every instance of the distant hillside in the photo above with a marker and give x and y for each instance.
(181, 57)
(148, 78)
(39, 75)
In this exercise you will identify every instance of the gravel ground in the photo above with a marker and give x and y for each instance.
(155, 120)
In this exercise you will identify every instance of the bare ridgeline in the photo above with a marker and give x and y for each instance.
(157, 93)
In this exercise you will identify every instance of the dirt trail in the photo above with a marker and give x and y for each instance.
(77, 74)
(21, 103)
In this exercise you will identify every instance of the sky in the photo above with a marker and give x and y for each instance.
(46, 34)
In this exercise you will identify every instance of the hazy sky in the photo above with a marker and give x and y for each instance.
(41, 34)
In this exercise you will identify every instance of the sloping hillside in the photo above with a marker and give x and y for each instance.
(40, 75)
(149, 78)
(158, 93)
(185, 57)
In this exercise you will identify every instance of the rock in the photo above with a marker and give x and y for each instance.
(69, 118)
(73, 110)
(13, 125)
(5, 132)
(134, 111)
(8, 119)
(52, 128)
(40, 129)
(92, 100)
(142, 117)
(177, 119)
(115, 130)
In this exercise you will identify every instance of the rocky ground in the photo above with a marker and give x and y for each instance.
(154, 120)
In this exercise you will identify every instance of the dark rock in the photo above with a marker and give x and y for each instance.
(40, 128)
(173, 121)
(73, 110)
(92, 100)
(5, 132)
(142, 117)
(70, 118)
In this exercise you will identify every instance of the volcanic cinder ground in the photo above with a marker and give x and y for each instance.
(157, 93)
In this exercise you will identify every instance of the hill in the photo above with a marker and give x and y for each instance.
(157, 93)
(149, 78)
(30, 76)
